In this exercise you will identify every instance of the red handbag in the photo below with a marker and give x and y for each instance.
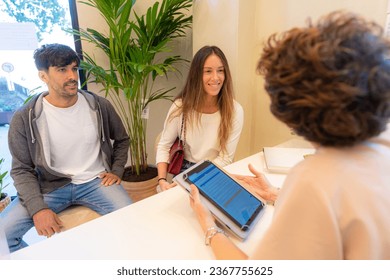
(176, 157)
(176, 153)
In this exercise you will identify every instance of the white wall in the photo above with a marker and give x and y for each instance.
(229, 24)
(279, 15)
(239, 28)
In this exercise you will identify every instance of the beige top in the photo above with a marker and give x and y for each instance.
(334, 205)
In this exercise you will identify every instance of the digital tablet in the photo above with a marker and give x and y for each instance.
(233, 205)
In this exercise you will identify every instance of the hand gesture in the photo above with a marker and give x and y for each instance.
(259, 184)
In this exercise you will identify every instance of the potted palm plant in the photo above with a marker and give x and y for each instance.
(138, 51)
(4, 198)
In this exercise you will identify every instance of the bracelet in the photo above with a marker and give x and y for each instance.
(211, 232)
(162, 179)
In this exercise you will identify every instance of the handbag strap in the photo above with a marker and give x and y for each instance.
(183, 131)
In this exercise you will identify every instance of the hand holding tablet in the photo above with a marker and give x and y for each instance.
(232, 205)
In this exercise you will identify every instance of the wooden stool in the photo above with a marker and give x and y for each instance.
(71, 217)
(76, 215)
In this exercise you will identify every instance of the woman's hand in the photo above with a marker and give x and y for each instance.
(259, 185)
(203, 214)
(165, 185)
(222, 246)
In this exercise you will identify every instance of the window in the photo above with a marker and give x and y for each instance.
(25, 25)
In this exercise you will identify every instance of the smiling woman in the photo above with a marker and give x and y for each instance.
(212, 118)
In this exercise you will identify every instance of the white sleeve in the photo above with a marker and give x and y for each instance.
(169, 134)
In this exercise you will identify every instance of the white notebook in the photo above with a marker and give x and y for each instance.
(281, 160)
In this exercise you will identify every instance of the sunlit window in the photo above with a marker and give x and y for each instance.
(25, 25)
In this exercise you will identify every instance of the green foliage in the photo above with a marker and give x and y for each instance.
(44, 14)
(2, 177)
(133, 46)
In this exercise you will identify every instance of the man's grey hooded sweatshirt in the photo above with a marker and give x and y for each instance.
(31, 173)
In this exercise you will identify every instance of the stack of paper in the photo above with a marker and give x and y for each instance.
(281, 160)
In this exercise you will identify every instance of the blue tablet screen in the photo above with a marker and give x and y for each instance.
(229, 196)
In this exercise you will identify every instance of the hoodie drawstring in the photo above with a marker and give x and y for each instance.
(30, 125)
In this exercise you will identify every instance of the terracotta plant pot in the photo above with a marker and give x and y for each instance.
(4, 201)
(140, 186)
(140, 190)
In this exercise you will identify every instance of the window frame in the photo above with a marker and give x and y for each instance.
(77, 41)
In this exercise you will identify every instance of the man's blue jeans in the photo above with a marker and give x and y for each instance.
(17, 221)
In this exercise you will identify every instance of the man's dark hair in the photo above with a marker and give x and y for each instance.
(54, 55)
(330, 81)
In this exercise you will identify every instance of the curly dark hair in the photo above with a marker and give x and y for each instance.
(330, 81)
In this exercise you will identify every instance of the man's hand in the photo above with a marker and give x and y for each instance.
(109, 179)
(47, 222)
